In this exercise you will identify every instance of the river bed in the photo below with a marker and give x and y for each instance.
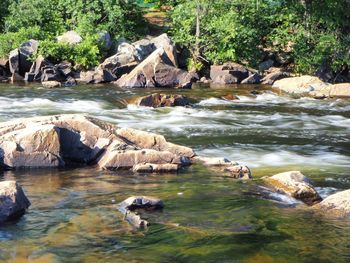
(207, 217)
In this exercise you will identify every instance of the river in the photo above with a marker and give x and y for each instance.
(207, 217)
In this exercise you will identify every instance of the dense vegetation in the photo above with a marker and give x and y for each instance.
(304, 35)
(46, 19)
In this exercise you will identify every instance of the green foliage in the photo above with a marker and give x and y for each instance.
(310, 33)
(10, 41)
(86, 53)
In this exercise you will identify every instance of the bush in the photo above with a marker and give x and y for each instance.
(86, 53)
(10, 41)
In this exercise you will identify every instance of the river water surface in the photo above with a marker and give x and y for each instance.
(207, 217)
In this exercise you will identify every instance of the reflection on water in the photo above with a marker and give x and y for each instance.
(207, 217)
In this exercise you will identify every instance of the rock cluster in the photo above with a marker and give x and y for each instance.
(57, 141)
(145, 63)
(233, 73)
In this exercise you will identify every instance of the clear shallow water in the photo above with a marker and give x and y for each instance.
(207, 218)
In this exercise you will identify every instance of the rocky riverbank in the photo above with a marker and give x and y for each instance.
(154, 63)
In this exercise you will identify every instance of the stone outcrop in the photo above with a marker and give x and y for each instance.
(131, 206)
(341, 90)
(156, 168)
(20, 58)
(157, 100)
(294, 184)
(270, 78)
(61, 140)
(254, 78)
(157, 70)
(300, 85)
(228, 73)
(225, 166)
(70, 37)
(13, 202)
(336, 205)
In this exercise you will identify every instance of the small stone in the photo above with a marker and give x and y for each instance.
(51, 84)
(239, 172)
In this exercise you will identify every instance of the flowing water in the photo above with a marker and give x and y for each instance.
(207, 217)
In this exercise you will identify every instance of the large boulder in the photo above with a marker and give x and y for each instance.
(61, 140)
(294, 184)
(13, 202)
(228, 73)
(70, 37)
(145, 47)
(26, 51)
(36, 70)
(4, 75)
(97, 76)
(336, 205)
(52, 141)
(341, 90)
(252, 79)
(147, 140)
(270, 78)
(122, 62)
(300, 85)
(157, 100)
(14, 61)
(157, 70)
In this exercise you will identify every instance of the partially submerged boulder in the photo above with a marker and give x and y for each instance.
(130, 209)
(300, 85)
(61, 140)
(341, 90)
(156, 168)
(294, 184)
(13, 202)
(228, 73)
(229, 168)
(157, 100)
(336, 205)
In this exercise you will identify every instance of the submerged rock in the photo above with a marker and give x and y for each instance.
(300, 85)
(129, 206)
(294, 184)
(157, 100)
(224, 165)
(13, 202)
(336, 205)
(156, 168)
(239, 172)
